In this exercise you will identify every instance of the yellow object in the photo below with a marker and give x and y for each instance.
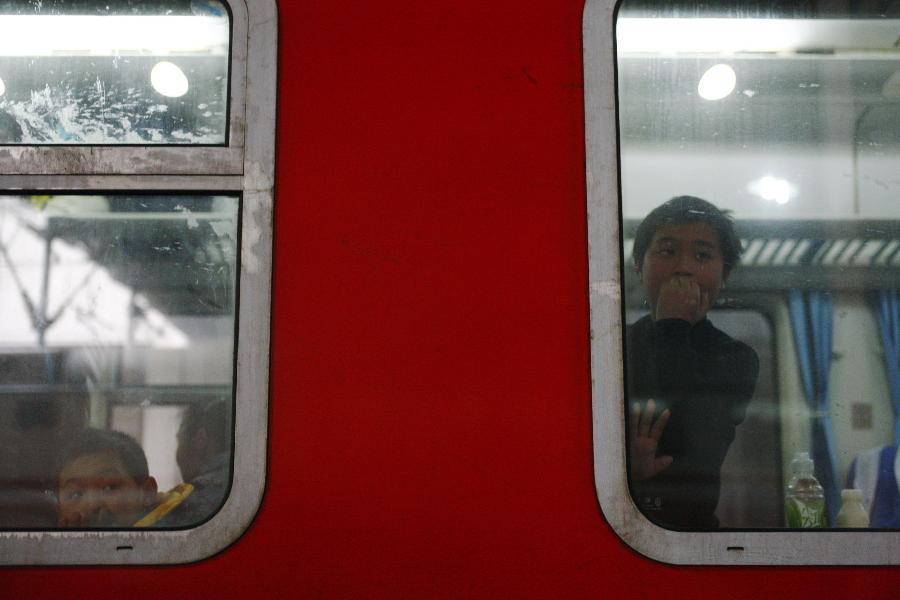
(40, 202)
(167, 501)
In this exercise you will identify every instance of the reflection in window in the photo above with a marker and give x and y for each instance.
(126, 72)
(789, 121)
(116, 358)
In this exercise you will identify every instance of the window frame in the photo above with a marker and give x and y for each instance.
(605, 262)
(245, 166)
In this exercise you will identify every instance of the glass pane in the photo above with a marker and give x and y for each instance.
(116, 359)
(759, 183)
(125, 72)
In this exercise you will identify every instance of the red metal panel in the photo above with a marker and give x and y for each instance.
(430, 410)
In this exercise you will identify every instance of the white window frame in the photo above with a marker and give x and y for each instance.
(244, 166)
(605, 290)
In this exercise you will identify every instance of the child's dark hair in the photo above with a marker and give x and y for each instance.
(689, 209)
(101, 441)
(215, 417)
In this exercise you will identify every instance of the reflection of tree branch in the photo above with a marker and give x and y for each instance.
(75, 290)
(41, 323)
(29, 305)
(141, 312)
(89, 319)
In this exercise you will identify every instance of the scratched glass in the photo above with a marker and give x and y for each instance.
(114, 72)
(118, 316)
(789, 120)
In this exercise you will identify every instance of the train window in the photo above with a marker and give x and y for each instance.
(744, 315)
(113, 73)
(118, 302)
(135, 251)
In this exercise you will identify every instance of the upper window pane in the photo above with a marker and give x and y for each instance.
(114, 72)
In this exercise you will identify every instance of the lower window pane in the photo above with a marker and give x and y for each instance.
(116, 359)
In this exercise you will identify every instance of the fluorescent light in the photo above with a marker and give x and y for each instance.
(169, 80)
(717, 82)
(88, 35)
(2, 87)
(731, 36)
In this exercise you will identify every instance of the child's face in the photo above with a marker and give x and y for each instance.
(682, 271)
(95, 490)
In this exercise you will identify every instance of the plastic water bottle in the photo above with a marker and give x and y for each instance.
(804, 499)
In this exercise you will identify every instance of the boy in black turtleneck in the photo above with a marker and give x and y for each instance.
(688, 382)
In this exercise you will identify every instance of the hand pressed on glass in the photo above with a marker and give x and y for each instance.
(644, 435)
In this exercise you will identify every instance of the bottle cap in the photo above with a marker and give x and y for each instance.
(851, 494)
(802, 463)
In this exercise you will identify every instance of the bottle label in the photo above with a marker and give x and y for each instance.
(805, 514)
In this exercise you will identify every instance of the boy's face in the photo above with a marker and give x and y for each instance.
(682, 271)
(95, 490)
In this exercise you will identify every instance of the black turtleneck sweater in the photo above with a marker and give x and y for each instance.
(705, 378)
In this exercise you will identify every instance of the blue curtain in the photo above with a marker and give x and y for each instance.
(888, 302)
(811, 320)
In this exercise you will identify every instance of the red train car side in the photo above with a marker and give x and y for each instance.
(430, 418)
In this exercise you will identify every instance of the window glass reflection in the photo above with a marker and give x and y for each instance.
(116, 359)
(788, 122)
(123, 72)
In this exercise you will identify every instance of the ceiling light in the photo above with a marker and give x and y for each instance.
(169, 80)
(773, 189)
(727, 36)
(717, 82)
